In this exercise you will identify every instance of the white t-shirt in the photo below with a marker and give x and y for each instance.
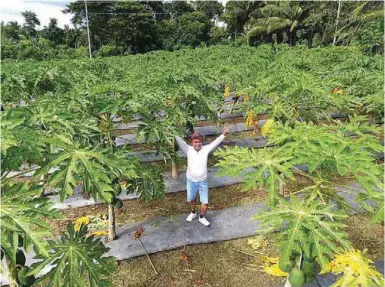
(197, 160)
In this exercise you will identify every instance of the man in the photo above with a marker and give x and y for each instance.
(196, 174)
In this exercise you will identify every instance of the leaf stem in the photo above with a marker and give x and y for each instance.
(148, 257)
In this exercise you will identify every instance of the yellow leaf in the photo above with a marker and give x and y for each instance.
(249, 119)
(271, 267)
(257, 242)
(227, 91)
(81, 220)
(356, 269)
(99, 233)
(268, 127)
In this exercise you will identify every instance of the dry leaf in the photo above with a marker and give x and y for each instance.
(138, 233)
(185, 258)
(99, 233)
(217, 206)
(257, 242)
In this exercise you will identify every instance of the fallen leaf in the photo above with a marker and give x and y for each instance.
(185, 258)
(138, 233)
(172, 281)
(100, 233)
(217, 206)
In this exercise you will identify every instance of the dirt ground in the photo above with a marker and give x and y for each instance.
(230, 263)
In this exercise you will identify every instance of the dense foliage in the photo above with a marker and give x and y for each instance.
(289, 77)
(123, 28)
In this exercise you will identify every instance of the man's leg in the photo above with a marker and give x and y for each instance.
(203, 209)
(191, 198)
(192, 205)
(204, 199)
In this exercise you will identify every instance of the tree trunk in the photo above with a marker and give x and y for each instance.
(294, 37)
(338, 17)
(282, 189)
(12, 274)
(111, 223)
(174, 170)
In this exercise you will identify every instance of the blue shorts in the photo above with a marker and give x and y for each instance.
(194, 187)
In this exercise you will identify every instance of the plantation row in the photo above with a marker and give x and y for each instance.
(70, 126)
(334, 77)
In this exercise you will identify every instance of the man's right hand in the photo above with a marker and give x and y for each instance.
(226, 129)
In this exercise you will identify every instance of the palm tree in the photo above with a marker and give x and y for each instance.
(273, 18)
(368, 11)
(237, 14)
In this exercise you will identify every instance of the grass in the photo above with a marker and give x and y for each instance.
(230, 263)
(217, 264)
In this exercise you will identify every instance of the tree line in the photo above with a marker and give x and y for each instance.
(123, 28)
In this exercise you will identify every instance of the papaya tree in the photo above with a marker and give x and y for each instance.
(23, 229)
(78, 260)
(24, 214)
(309, 231)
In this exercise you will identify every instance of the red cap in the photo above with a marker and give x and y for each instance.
(196, 135)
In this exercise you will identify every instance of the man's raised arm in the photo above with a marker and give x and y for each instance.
(182, 144)
(219, 139)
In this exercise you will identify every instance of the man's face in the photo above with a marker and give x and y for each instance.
(197, 144)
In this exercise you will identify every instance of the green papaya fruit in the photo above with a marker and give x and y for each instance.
(23, 279)
(294, 255)
(20, 258)
(309, 278)
(309, 268)
(307, 258)
(117, 188)
(296, 277)
(21, 241)
(286, 266)
(117, 203)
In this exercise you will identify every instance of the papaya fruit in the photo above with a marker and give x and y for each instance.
(309, 278)
(23, 279)
(294, 255)
(286, 266)
(296, 277)
(20, 258)
(117, 203)
(117, 188)
(21, 241)
(309, 268)
(307, 258)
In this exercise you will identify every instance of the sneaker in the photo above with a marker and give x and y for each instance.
(191, 216)
(204, 221)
